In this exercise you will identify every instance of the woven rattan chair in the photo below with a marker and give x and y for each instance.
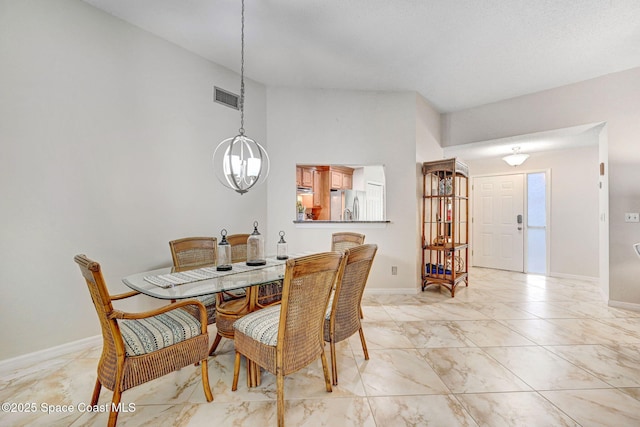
(230, 306)
(192, 252)
(140, 347)
(342, 318)
(238, 244)
(346, 240)
(268, 293)
(287, 337)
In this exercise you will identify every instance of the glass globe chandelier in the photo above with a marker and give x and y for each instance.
(240, 162)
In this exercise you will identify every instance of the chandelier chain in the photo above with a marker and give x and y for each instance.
(241, 130)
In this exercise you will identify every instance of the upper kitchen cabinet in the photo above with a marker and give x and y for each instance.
(307, 177)
(341, 177)
(304, 177)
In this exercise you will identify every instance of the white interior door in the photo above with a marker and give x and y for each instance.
(498, 223)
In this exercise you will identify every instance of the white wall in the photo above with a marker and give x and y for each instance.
(613, 99)
(428, 148)
(574, 205)
(106, 134)
(348, 127)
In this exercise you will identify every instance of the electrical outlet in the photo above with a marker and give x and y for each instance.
(394, 270)
(632, 217)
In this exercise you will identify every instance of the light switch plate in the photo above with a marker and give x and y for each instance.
(632, 217)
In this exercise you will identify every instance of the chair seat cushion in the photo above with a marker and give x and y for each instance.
(327, 313)
(261, 325)
(142, 336)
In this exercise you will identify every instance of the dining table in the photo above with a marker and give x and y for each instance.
(172, 283)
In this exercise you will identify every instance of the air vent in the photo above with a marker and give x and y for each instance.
(227, 98)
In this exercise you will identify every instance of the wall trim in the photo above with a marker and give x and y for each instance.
(7, 366)
(575, 277)
(391, 291)
(625, 305)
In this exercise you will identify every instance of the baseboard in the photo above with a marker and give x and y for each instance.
(390, 291)
(30, 359)
(626, 305)
(575, 277)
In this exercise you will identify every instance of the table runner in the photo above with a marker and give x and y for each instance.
(189, 276)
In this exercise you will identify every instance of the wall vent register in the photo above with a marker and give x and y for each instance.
(225, 97)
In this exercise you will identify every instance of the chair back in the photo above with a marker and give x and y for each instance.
(345, 240)
(102, 303)
(192, 251)
(345, 310)
(238, 244)
(307, 286)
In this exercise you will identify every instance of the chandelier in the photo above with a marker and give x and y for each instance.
(240, 162)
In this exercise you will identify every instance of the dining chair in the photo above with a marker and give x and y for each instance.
(140, 347)
(345, 240)
(232, 305)
(342, 318)
(238, 244)
(192, 252)
(285, 338)
(267, 293)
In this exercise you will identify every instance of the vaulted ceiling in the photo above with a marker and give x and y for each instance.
(456, 53)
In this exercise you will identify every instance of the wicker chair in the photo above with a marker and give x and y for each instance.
(287, 337)
(192, 252)
(140, 347)
(342, 318)
(268, 293)
(238, 244)
(230, 306)
(346, 240)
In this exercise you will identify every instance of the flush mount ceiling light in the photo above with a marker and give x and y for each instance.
(240, 162)
(517, 158)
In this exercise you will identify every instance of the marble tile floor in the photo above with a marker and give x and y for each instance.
(509, 350)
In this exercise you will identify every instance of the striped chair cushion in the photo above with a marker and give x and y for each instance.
(327, 314)
(153, 333)
(261, 325)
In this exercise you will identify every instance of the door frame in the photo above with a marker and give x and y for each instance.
(525, 261)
